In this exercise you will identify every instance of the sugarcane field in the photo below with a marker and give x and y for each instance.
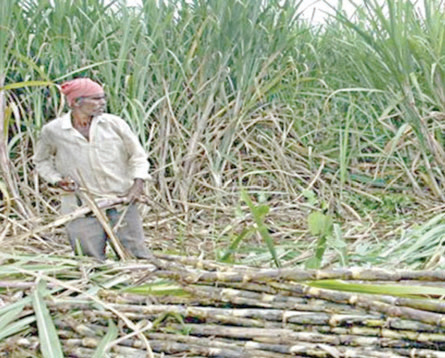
(222, 178)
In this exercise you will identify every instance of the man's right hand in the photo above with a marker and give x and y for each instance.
(67, 184)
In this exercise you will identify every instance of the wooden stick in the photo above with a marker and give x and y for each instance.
(116, 244)
(63, 219)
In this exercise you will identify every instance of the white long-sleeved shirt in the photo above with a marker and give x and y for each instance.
(108, 162)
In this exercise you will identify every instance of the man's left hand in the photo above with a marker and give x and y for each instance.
(136, 191)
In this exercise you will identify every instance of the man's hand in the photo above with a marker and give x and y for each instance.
(136, 191)
(67, 184)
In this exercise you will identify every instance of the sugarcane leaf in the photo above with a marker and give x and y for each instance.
(25, 84)
(159, 288)
(16, 327)
(260, 211)
(6, 196)
(245, 197)
(7, 117)
(23, 302)
(49, 341)
(11, 312)
(235, 243)
(103, 346)
(337, 242)
(163, 316)
(264, 232)
(315, 261)
(16, 269)
(10, 316)
(391, 290)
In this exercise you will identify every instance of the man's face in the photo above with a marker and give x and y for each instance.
(92, 105)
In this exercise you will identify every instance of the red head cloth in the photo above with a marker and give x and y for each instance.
(80, 87)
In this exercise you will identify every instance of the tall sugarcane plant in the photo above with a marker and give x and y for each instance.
(196, 73)
(399, 49)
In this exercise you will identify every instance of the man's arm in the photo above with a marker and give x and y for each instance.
(136, 190)
(44, 159)
(138, 164)
(137, 157)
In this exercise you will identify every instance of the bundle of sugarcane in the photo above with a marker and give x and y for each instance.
(185, 307)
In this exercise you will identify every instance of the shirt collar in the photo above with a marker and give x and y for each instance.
(99, 118)
(66, 120)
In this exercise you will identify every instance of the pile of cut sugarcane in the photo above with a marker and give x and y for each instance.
(176, 306)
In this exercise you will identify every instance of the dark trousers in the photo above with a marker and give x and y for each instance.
(88, 233)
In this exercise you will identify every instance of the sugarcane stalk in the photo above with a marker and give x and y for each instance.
(175, 348)
(5, 164)
(373, 303)
(354, 335)
(287, 318)
(116, 244)
(415, 303)
(283, 317)
(307, 348)
(61, 220)
(85, 348)
(162, 343)
(275, 336)
(420, 353)
(322, 350)
(246, 274)
(277, 315)
(221, 318)
(254, 299)
(202, 264)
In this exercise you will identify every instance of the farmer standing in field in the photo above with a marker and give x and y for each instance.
(98, 150)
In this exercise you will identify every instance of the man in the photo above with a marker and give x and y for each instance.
(90, 148)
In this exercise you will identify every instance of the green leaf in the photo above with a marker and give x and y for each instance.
(310, 196)
(50, 346)
(160, 288)
(315, 262)
(261, 211)
(235, 243)
(163, 316)
(264, 232)
(16, 327)
(26, 84)
(10, 316)
(338, 243)
(391, 290)
(15, 269)
(111, 335)
(245, 197)
(319, 224)
(23, 302)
